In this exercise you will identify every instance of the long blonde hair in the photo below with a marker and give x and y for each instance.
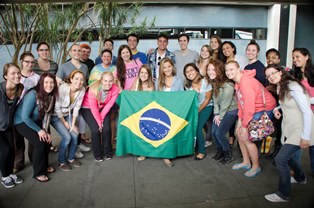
(95, 87)
(162, 78)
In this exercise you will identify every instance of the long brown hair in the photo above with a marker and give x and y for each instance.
(121, 65)
(162, 78)
(150, 83)
(188, 83)
(221, 76)
(42, 95)
(5, 70)
(286, 78)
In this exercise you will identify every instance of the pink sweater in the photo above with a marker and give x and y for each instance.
(250, 98)
(100, 109)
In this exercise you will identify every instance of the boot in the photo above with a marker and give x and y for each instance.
(218, 156)
(227, 157)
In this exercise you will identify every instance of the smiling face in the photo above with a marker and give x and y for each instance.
(211, 72)
(75, 52)
(214, 44)
(233, 71)
(125, 54)
(251, 52)
(273, 75)
(77, 80)
(162, 43)
(143, 74)
(183, 42)
(299, 60)
(205, 52)
(85, 54)
(28, 63)
(272, 58)
(43, 51)
(191, 73)
(227, 50)
(167, 69)
(108, 45)
(48, 84)
(106, 58)
(132, 42)
(13, 75)
(107, 81)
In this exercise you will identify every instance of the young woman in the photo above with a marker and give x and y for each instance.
(215, 46)
(229, 52)
(225, 110)
(249, 93)
(203, 60)
(297, 129)
(43, 64)
(67, 107)
(252, 50)
(144, 82)
(303, 69)
(127, 68)
(194, 81)
(167, 80)
(32, 120)
(10, 92)
(29, 79)
(96, 105)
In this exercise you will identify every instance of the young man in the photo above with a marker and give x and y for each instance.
(108, 44)
(133, 41)
(64, 71)
(106, 57)
(185, 55)
(86, 50)
(154, 58)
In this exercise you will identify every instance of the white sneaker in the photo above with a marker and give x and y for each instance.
(275, 198)
(208, 143)
(78, 154)
(83, 148)
(292, 180)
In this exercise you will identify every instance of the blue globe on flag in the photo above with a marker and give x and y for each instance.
(154, 124)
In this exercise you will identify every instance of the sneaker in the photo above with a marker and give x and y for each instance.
(7, 182)
(108, 156)
(75, 163)
(64, 167)
(208, 143)
(78, 154)
(292, 180)
(274, 198)
(99, 159)
(83, 148)
(16, 179)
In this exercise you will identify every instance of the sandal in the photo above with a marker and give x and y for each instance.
(240, 166)
(42, 178)
(50, 170)
(252, 173)
(168, 162)
(54, 149)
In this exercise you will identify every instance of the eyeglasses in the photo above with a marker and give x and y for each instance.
(159, 58)
(29, 62)
(44, 49)
(271, 74)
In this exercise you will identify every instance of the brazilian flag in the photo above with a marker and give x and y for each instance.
(157, 124)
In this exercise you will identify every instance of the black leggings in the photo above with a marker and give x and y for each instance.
(40, 152)
(6, 152)
(101, 141)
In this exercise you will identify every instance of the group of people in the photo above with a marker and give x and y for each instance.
(231, 92)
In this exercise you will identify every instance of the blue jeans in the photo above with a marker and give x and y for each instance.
(202, 118)
(284, 161)
(68, 140)
(219, 132)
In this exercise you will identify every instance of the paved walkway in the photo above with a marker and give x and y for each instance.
(125, 182)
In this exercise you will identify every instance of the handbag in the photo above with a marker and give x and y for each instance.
(262, 128)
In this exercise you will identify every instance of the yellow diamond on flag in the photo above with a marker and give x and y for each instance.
(154, 124)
